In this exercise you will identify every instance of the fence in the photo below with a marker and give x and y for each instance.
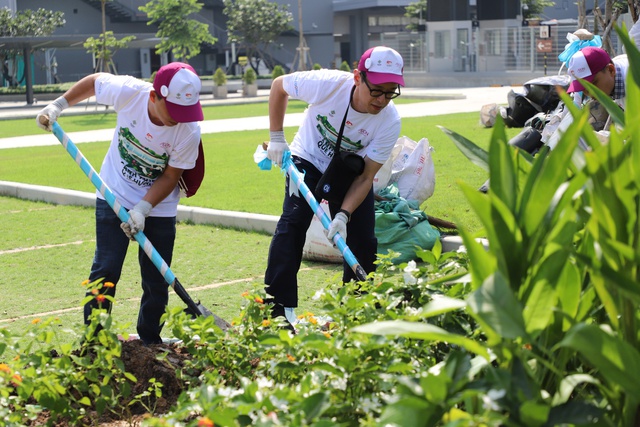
(484, 50)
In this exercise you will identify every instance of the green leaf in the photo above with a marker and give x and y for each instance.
(617, 362)
(422, 331)
(407, 412)
(568, 384)
(537, 313)
(314, 405)
(534, 414)
(440, 305)
(477, 155)
(616, 113)
(496, 306)
(502, 170)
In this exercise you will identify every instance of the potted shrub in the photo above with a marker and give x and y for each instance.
(220, 84)
(250, 86)
(277, 71)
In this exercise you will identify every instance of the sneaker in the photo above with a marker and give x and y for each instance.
(278, 310)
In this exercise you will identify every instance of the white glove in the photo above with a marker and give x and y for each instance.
(338, 225)
(277, 146)
(136, 219)
(50, 113)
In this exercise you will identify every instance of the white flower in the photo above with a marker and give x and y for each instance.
(408, 273)
(489, 399)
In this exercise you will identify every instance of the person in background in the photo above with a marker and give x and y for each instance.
(155, 139)
(372, 127)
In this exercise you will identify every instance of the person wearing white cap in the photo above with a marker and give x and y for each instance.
(156, 138)
(353, 112)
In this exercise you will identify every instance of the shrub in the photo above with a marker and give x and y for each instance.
(345, 66)
(317, 66)
(249, 76)
(277, 71)
(219, 77)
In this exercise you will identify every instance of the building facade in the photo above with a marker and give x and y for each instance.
(454, 36)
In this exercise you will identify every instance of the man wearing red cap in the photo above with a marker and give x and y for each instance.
(594, 65)
(362, 101)
(156, 138)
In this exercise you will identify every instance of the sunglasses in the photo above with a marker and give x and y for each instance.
(377, 92)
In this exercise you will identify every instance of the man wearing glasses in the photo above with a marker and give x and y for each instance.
(362, 101)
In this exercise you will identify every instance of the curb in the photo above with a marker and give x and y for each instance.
(240, 220)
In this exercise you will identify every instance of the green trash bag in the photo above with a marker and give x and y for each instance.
(401, 226)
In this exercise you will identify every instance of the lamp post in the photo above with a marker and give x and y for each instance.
(523, 8)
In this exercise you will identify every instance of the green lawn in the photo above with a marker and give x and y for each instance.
(46, 250)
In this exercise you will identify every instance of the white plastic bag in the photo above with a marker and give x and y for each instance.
(414, 171)
(317, 247)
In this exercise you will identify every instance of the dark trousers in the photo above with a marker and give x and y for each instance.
(111, 250)
(285, 252)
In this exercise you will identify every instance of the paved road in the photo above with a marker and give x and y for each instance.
(441, 101)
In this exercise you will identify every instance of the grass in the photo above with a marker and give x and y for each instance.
(46, 250)
(233, 182)
(101, 119)
(45, 259)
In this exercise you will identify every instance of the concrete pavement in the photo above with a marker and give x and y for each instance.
(437, 102)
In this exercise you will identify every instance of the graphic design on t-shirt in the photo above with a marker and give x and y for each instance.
(330, 136)
(141, 164)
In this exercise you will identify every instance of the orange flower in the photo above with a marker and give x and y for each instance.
(94, 291)
(108, 285)
(291, 358)
(266, 322)
(244, 294)
(17, 380)
(100, 298)
(5, 368)
(313, 320)
(85, 282)
(527, 346)
(259, 300)
(205, 422)
(36, 321)
(326, 334)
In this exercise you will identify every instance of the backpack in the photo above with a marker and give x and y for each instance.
(192, 178)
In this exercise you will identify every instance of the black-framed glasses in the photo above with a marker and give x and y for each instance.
(377, 92)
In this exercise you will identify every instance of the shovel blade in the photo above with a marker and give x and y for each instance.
(198, 309)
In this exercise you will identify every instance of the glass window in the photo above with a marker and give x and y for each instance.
(442, 44)
(492, 41)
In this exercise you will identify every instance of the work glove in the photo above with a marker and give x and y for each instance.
(338, 225)
(277, 146)
(50, 113)
(136, 219)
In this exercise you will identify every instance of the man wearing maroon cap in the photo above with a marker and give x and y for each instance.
(362, 101)
(594, 65)
(156, 138)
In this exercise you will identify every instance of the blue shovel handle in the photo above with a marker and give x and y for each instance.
(195, 309)
(298, 179)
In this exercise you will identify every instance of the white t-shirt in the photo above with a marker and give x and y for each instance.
(328, 93)
(140, 150)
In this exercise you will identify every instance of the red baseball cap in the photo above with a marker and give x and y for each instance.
(585, 64)
(180, 85)
(382, 65)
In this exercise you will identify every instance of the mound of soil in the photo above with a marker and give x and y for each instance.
(159, 361)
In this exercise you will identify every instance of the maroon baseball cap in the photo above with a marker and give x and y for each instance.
(585, 64)
(382, 65)
(180, 86)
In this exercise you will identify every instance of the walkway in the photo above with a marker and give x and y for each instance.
(439, 101)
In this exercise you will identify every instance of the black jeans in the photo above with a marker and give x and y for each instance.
(111, 250)
(285, 252)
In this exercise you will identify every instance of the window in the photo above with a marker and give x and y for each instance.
(442, 44)
(492, 42)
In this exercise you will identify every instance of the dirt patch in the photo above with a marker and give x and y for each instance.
(160, 361)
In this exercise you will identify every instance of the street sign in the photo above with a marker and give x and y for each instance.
(544, 31)
(544, 45)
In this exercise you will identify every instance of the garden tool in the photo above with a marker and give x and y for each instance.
(193, 308)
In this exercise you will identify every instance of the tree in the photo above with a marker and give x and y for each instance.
(604, 23)
(417, 12)
(534, 8)
(104, 47)
(254, 24)
(25, 23)
(179, 34)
